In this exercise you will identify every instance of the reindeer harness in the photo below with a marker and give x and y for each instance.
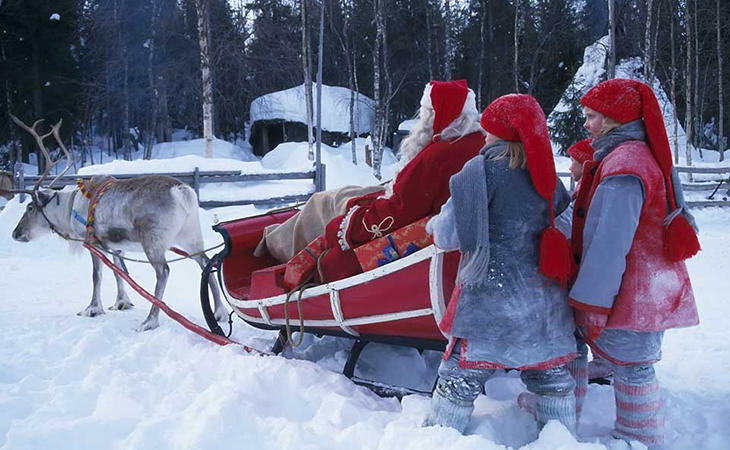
(94, 194)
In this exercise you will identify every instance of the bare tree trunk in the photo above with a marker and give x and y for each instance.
(356, 115)
(482, 32)
(720, 105)
(674, 82)
(429, 31)
(654, 44)
(611, 69)
(37, 98)
(516, 61)
(351, 81)
(688, 119)
(16, 152)
(201, 7)
(448, 41)
(307, 69)
(165, 124)
(388, 95)
(648, 72)
(154, 93)
(123, 57)
(376, 86)
(319, 93)
(697, 105)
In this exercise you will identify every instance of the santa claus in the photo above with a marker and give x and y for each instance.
(446, 135)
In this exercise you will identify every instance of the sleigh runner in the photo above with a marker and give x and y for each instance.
(400, 302)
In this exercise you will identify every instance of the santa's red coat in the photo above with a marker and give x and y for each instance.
(655, 293)
(420, 189)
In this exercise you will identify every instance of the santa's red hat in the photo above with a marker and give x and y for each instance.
(448, 99)
(581, 151)
(518, 117)
(627, 100)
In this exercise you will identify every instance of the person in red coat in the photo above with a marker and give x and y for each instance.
(631, 234)
(446, 135)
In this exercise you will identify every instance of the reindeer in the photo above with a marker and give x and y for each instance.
(150, 213)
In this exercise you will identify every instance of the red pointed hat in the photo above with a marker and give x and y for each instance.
(581, 151)
(627, 100)
(447, 99)
(518, 117)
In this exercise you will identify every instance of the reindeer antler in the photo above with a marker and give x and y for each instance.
(56, 135)
(39, 140)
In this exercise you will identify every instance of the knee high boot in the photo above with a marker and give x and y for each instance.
(449, 412)
(639, 406)
(578, 369)
(554, 397)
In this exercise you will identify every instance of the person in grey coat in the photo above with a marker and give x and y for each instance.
(505, 311)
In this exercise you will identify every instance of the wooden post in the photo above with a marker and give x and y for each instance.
(19, 178)
(196, 182)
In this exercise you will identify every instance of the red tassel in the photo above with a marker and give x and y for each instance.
(680, 239)
(556, 261)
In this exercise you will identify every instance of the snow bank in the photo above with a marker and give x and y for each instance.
(69, 382)
(290, 105)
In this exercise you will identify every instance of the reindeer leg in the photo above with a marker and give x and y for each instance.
(95, 308)
(156, 257)
(219, 311)
(123, 301)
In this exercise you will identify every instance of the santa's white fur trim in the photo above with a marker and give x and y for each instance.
(344, 227)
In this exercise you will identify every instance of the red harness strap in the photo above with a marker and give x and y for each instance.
(174, 315)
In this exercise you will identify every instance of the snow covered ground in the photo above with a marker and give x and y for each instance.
(70, 382)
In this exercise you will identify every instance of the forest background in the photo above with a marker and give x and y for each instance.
(124, 73)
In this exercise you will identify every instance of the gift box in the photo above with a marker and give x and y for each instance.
(304, 263)
(393, 246)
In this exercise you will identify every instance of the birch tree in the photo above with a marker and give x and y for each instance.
(320, 185)
(448, 41)
(202, 10)
(482, 33)
(151, 76)
(611, 63)
(379, 110)
(516, 60)
(307, 69)
(688, 118)
(648, 69)
(674, 82)
(720, 105)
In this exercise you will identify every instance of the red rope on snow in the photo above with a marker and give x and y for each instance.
(171, 313)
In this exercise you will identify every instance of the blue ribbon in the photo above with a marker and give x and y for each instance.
(78, 217)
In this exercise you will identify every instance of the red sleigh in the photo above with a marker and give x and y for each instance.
(397, 303)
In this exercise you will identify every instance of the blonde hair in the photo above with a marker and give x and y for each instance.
(515, 151)
(608, 125)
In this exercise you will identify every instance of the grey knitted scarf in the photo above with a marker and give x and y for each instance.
(629, 131)
(470, 198)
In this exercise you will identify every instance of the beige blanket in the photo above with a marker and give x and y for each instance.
(285, 240)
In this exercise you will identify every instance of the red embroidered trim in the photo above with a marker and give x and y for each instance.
(550, 363)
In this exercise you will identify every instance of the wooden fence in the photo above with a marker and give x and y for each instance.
(197, 178)
(720, 186)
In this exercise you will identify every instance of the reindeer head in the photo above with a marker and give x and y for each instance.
(35, 219)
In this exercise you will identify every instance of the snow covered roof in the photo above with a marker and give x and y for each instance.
(289, 105)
